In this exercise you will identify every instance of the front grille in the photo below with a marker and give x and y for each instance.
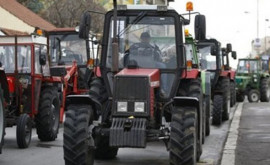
(131, 88)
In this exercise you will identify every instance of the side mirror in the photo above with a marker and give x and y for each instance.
(200, 27)
(42, 59)
(224, 51)
(213, 50)
(234, 55)
(85, 24)
(229, 48)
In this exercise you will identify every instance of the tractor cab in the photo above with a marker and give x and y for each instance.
(24, 61)
(20, 60)
(147, 40)
(248, 66)
(225, 57)
(210, 57)
(248, 72)
(71, 55)
(65, 46)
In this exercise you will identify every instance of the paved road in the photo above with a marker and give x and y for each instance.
(253, 145)
(51, 153)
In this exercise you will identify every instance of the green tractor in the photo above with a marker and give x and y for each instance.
(252, 81)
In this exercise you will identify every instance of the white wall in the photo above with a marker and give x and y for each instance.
(9, 21)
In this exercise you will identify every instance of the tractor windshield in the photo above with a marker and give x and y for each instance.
(71, 46)
(246, 66)
(148, 42)
(208, 61)
(7, 58)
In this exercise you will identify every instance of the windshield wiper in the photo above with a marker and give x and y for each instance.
(135, 21)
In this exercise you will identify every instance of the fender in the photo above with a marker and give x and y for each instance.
(186, 101)
(84, 99)
(190, 74)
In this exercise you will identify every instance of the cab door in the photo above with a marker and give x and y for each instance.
(36, 76)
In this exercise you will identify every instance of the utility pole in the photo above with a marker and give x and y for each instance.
(258, 50)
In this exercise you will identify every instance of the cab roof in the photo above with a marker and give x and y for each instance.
(142, 7)
(27, 39)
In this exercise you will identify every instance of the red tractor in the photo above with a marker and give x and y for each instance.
(139, 97)
(227, 71)
(34, 94)
(73, 59)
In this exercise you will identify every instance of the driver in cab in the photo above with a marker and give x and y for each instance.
(145, 54)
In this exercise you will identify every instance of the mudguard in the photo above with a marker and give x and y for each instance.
(186, 101)
(84, 99)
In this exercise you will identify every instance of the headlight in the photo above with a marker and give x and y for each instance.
(139, 107)
(122, 106)
(255, 80)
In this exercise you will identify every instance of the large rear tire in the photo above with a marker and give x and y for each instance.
(24, 131)
(183, 141)
(48, 117)
(2, 119)
(225, 85)
(217, 110)
(79, 144)
(265, 90)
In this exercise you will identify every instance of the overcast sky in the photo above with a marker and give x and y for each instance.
(231, 21)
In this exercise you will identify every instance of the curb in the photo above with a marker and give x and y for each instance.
(228, 156)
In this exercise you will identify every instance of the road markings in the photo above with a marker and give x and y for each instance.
(228, 157)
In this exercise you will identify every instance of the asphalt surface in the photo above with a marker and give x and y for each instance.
(51, 153)
(253, 145)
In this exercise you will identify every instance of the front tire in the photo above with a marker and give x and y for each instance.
(78, 141)
(265, 90)
(183, 139)
(24, 131)
(217, 110)
(253, 96)
(48, 117)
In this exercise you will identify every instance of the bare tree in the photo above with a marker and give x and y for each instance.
(67, 13)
